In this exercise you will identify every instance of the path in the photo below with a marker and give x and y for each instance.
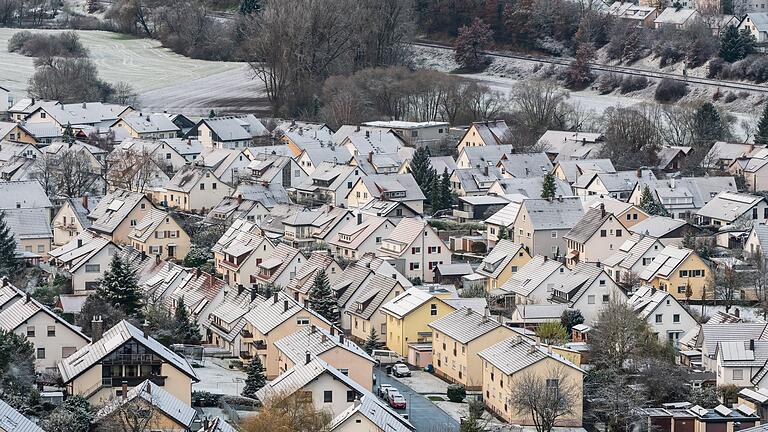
(423, 414)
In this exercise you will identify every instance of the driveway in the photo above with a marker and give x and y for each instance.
(422, 413)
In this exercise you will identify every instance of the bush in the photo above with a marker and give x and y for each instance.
(730, 97)
(670, 90)
(753, 68)
(608, 83)
(633, 83)
(456, 393)
(205, 399)
(65, 44)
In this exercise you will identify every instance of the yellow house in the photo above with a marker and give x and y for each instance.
(502, 262)
(167, 413)
(510, 360)
(125, 357)
(676, 269)
(117, 213)
(364, 310)
(194, 188)
(158, 234)
(457, 338)
(272, 320)
(408, 317)
(485, 133)
(332, 347)
(368, 416)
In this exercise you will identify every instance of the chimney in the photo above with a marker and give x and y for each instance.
(312, 329)
(79, 242)
(469, 311)
(639, 173)
(751, 344)
(333, 331)
(285, 305)
(27, 298)
(274, 297)
(560, 198)
(370, 157)
(324, 338)
(97, 328)
(125, 390)
(157, 259)
(239, 199)
(254, 293)
(359, 218)
(485, 170)
(143, 255)
(737, 312)
(198, 272)
(357, 128)
(85, 202)
(602, 209)
(149, 388)
(205, 424)
(85, 106)
(545, 258)
(341, 338)
(307, 358)
(597, 264)
(240, 289)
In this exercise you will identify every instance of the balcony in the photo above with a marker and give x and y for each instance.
(245, 355)
(259, 345)
(132, 359)
(246, 333)
(132, 381)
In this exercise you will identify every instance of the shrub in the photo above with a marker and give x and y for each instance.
(730, 97)
(670, 90)
(205, 399)
(633, 83)
(608, 83)
(65, 44)
(456, 393)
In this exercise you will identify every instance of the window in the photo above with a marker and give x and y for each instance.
(202, 186)
(349, 185)
(618, 233)
(676, 318)
(350, 395)
(30, 331)
(634, 216)
(302, 321)
(629, 216)
(415, 250)
(41, 353)
(92, 268)
(51, 331)
(681, 289)
(213, 186)
(683, 273)
(606, 298)
(754, 213)
(167, 155)
(591, 299)
(659, 318)
(738, 374)
(603, 233)
(514, 269)
(554, 234)
(433, 309)
(602, 282)
(328, 396)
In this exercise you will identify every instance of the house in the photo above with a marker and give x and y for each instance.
(279, 267)
(683, 197)
(503, 220)
(531, 316)
(667, 230)
(23, 195)
(723, 154)
(637, 16)
(53, 338)
(587, 288)
(681, 272)
(232, 132)
(252, 202)
(299, 136)
(474, 181)
(159, 234)
(312, 157)
(169, 158)
(568, 145)
(333, 348)
(742, 363)
(272, 320)
(274, 169)
(595, 237)
(20, 109)
(305, 228)
(666, 317)
(147, 126)
(31, 229)
(384, 163)
(370, 414)
(507, 361)
(617, 185)
(120, 356)
(485, 133)
(541, 224)
(628, 214)
(637, 252)
(756, 23)
(457, 338)
(300, 285)
(225, 325)
(393, 210)
(117, 213)
(415, 249)
(756, 244)
(480, 157)
(362, 140)
(361, 235)
(677, 17)
(408, 316)
(571, 170)
(239, 251)
(733, 209)
(86, 114)
(528, 187)
(396, 187)
(501, 263)
(695, 417)
(417, 134)
(84, 259)
(525, 165)
(14, 421)
(672, 158)
(452, 274)
(194, 188)
(362, 292)
(72, 218)
(166, 412)
(328, 184)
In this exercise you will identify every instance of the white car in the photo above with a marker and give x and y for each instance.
(386, 357)
(401, 370)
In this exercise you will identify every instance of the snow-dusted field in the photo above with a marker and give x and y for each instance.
(163, 79)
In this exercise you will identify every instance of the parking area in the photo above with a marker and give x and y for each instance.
(424, 383)
(423, 414)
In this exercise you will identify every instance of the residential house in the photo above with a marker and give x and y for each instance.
(362, 235)
(485, 133)
(525, 165)
(240, 250)
(415, 249)
(333, 348)
(756, 23)
(586, 288)
(568, 145)
(363, 300)
(571, 170)
(528, 187)
(371, 414)
(20, 109)
(279, 267)
(84, 259)
(300, 285)
(678, 18)
(397, 187)
(167, 157)
(226, 322)
(311, 158)
(512, 359)
(361, 140)
(667, 230)
(733, 209)
(475, 181)
(708, 336)
(683, 197)
(541, 224)
(117, 213)
(147, 126)
(666, 317)
(274, 169)
(667, 419)
(194, 188)
(237, 207)
(742, 363)
(228, 165)
(125, 356)
(637, 252)
(31, 229)
(635, 15)
(617, 185)
(457, 338)
(328, 184)
(231, 132)
(681, 272)
(480, 157)
(24, 195)
(756, 244)
(723, 154)
(159, 234)
(53, 338)
(72, 218)
(305, 228)
(272, 320)
(478, 207)
(86, 114)
(393, 210)
(416, 134)
(595, 237)
(14, 421)
(299, 136)
(672, 158)
(501, 263)
(501, 222)
(408, 316)
(384, 163)
(531, 316)
(166, 412)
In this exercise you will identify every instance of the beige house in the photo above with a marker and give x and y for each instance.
(167, 413)
(501, 263)
(408, 317)
(31, 228)
(72, 218)
(541, 224)
(279, 267)
(484, 134)
(272, 320)
(415, 249)
(147, 126)
(370, 415)
(362, 235)
(512, 359)
(125, 356)
(595, 237)
(54, 339)
(240, 250)
(117, 213)
(332, 347)
(637, 252)
(84, 259)
(457, 338)
(300, 285)
(389, 187)
(158, 234)
(194, 188)
(364, 309)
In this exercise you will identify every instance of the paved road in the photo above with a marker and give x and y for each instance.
(423, 414)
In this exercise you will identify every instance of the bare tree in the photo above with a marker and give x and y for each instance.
(546, 397)
(728, 283)
(136, 414)
(288, 413)
(132, 170)
(760, 277)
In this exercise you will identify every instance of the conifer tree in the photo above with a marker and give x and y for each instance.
(248, 7)
(8, 261)
(649, 205)
(187, 330)
(120, 287)
(372, 342)
(255, 379)
(548, 190)
(761, 136)
(433, 194)
(446, 190)
(68, 136)
(322, 299)
(422, 171)
(503, 233)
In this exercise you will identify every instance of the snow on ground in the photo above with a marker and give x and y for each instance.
(424, 383)
(216, 378)
(163, 79)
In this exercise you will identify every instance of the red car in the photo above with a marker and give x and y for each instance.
(396, 400)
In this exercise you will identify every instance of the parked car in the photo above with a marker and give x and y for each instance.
(389, 391)
(386, 357)
(401, 370)
(396, 400)
(383, 390)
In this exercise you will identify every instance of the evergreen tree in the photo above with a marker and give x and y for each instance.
(433, 194)
(748, 42)
(8, 262)
(187, 330)
(256, 379)
(322, 300)
(68, 135)
(730, 42)
(446, 190)
(570, 318)
(761, 136)
(248, 7)
(548, 190)
(708, 126)
(372, 342)
(120, 287)
(503, 233)
(470, 43)
(17, 370)
(422, 171)
(579, 73)
(649, 205)
(212, 114)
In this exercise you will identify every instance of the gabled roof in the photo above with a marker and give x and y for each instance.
(23, 310)
(728, 206)
(531, 275)
(496, 260)
(316, 341)
(646, 299)
(305, 276)
(657, 226)
(80, 249)
(148, 224)
(407, 302)
(85, 113)
(113, 209)
(632, 250)
(156, 396)
(268, 195)
(23, 194)
(375, 411)
(675, 16)
(335, 175)
(394, 187)
(235, 128)
(666, 262)
(514, 355)
(147, 123)
(492, 132)
(710, 335)
(353, 234)
(588, 225)
(279, 260)
(13, 421)
(465, 325)
(620, 181)
(91, 354)
(475, 179)
(488, 155)
(370, 297)
(507, 215)
(268, 315)
(573, 169)
(761, 234)
(525, 165)
(560, 213)
(241, 238)
(531, 187)
(28, 223)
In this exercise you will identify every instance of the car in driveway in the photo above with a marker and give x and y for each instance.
(383, 390)
(396, 400)
(386, 357)
(401, 370)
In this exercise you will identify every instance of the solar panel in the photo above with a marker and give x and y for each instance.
(115, 205)
(723, 410)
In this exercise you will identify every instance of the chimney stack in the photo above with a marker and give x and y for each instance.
(285, 305)
(198, 272)
(239, 199)
(370, 157)
(125, 390)
(27, 298)
(737, 313)
(254, 293)
(157, 259)
(79, 242)
(274, 297)
(149, 388)
(240, 289)
(85, 202)
(333, 331)
(97, 328)
(751, 344)
(307, 358)
(359, 218)
(341, 338)
(145, 327)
